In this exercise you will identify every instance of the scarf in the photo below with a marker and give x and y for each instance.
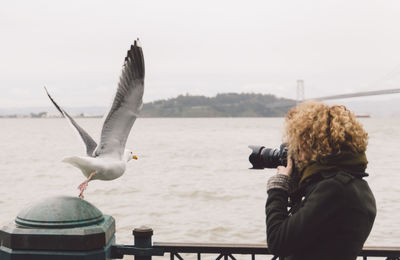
(345, 160)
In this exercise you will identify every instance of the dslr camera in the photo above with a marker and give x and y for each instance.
(262, 157)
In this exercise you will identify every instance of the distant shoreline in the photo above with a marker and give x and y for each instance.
(222, 105)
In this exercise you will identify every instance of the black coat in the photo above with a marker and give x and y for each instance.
(332, 220)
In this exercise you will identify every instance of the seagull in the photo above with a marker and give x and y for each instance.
(107, 160)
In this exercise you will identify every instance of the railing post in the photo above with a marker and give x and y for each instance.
(142, 237)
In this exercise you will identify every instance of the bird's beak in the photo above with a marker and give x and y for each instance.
(134, 157)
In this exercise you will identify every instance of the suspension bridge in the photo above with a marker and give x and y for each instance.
(300, 96)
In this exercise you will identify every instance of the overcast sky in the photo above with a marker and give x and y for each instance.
(77, 48)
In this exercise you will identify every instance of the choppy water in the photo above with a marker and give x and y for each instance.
(191, 182)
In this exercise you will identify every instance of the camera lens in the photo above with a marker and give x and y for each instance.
(270, 157)
(262, 157)
(255, 156)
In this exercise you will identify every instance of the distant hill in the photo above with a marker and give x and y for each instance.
(222, 105)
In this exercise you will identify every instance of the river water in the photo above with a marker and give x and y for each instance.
(191, 182)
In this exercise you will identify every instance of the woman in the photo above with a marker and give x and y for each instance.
(332, 207)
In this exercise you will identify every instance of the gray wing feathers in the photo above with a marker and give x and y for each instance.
(89, 142)
(126, 105)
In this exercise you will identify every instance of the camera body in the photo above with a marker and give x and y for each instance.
(262, 157)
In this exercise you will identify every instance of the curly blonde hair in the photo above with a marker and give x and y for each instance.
(315, 130)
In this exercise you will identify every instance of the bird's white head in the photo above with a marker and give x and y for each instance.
(128, 155)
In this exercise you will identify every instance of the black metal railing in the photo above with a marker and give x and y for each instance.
(144, 249)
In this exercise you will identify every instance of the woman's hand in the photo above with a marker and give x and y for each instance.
(288, 169)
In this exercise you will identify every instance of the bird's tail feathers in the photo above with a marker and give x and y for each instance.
(83, 164)
(74, 160)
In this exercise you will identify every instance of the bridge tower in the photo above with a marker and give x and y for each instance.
(300, 91)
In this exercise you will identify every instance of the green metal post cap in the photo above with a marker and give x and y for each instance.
(60, 212)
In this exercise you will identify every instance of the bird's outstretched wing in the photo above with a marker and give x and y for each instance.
(126, 106)
(88, 141)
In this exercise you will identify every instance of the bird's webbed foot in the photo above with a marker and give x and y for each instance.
(82, 187)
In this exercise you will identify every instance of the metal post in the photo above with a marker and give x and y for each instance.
(59, 227)
(142, 237)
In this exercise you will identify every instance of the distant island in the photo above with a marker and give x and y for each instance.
(222, 105)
